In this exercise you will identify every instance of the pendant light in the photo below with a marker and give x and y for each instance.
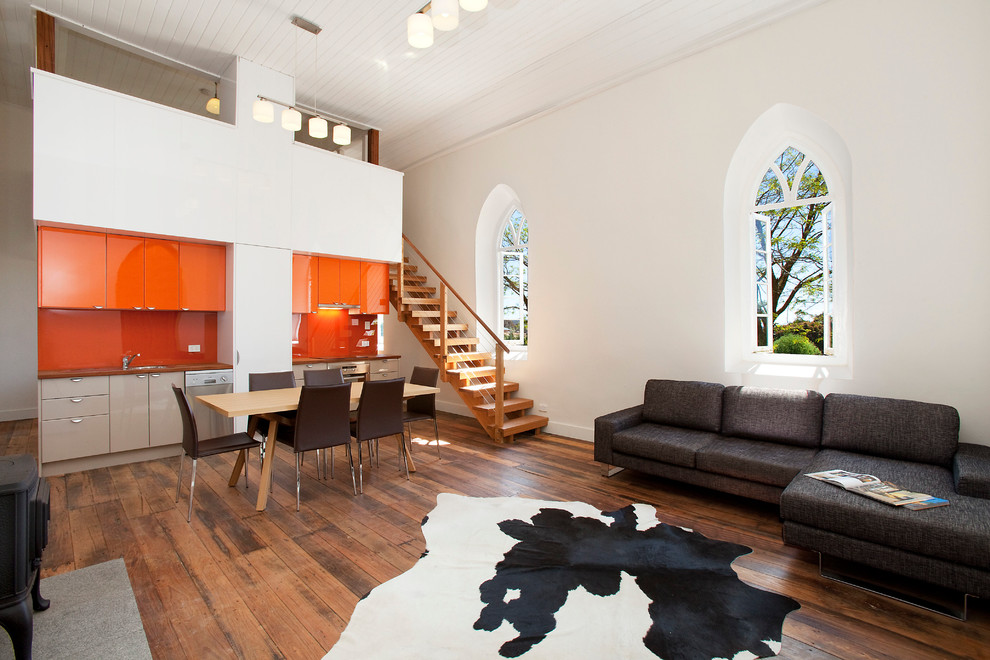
(419, 31)
(444, 14)
(473, 5)
(263, 111)
(318, 128)
(291, 119)
(342, 135)
(213, 105)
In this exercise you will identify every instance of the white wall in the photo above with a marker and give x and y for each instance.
(627, 255)
(18, 269)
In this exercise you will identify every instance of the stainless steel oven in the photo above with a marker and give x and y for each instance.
(353, 372)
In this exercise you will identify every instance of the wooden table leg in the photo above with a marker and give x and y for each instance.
(235, 475)
(408, 453)
(268, 464)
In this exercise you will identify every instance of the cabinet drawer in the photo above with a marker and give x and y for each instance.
(77, 406)
(58, 388)
(75, 437)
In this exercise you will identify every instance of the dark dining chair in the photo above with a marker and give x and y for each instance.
(322, 423)
(423, 406)
(379, 415)
(272, 380)
(194, 447)
(323, 377)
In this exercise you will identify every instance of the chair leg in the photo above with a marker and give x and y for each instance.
(298, 463)
(247, 457)
(350, 459)
(330, 451)
(178, 482)
(192, 485)
(436, 433)
(361, 468)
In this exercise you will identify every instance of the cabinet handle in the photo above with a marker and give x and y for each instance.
(151, 308)
(76, 400)
(142, 375)
(76, 420)
(76, 380)
(155, 375)
(184, 309)
(136, 307)
(97, 306)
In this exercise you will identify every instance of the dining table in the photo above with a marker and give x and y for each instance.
(270, 404)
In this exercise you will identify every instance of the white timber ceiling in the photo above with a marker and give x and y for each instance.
(515, 60)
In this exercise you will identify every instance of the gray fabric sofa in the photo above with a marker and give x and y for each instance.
(758, 442)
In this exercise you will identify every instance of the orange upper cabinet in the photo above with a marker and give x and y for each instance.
(202, 277)
(305, 283)
(125, 272)
(374, 288)
(340, 281)
(350, 282)
(161, 274)
(72, 268)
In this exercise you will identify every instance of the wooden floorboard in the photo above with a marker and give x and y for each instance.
(238, 583)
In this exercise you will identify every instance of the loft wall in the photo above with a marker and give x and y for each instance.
(626, 232)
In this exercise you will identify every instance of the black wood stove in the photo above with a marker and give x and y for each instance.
(24, 515)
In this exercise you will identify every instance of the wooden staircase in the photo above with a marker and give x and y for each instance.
(477, 374)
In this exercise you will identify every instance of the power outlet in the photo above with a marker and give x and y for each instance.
(543, 408)
(194, 348)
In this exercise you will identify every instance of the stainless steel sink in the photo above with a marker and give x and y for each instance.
(146, 367)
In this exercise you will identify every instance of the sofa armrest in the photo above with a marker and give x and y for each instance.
(971, 470)
(607, 425)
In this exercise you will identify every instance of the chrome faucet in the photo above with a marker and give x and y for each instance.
(130, 358)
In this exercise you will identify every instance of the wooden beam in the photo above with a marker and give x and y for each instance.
(46, 42)
(373, 138)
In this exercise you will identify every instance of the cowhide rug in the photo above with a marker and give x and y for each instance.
(511, 577)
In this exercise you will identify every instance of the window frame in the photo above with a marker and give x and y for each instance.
(501, 252)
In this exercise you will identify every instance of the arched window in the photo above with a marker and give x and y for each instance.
(513, 292)
(787, 221)
(793, 258)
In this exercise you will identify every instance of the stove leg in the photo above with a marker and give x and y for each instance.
(18, 621)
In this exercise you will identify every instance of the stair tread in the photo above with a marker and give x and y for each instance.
(420, 289)
(466, 370)
(524, 423)
(435, 327)
(427, 313)
(509, 405)
(420, 301)
(466, 357)
(507, 386)
(458, 341)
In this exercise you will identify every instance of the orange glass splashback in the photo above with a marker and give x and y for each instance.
(83, 339)
(334, 333)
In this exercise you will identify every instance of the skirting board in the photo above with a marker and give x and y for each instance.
(15, 414)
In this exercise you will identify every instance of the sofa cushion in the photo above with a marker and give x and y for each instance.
(668, 444)
(894, 428)
(765, 462)
(792, 417)
(689, 404)
(959, 532)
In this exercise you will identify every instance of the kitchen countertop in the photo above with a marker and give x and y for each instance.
(136, 369)
(354, 358)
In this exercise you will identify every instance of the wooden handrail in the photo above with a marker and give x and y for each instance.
(452, 290)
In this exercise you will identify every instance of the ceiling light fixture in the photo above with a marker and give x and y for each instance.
(342, 135)
(318, 128)
(443, 15)
(419, 30)
(213, 105)
(262, 110)
(291, 119)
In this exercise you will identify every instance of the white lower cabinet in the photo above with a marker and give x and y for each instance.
(299, 370)
(96, 415)
(75, 419)
(143, 411)
(384, 369)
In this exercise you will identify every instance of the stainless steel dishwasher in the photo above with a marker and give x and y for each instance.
(209, 423)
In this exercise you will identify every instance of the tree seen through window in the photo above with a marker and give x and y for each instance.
(513, 262)
(792, 225)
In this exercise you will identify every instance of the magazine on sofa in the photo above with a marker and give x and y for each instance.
(882, 491)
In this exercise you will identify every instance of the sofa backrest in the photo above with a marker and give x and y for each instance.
(893, 428)
(685, 403)
(792, 417)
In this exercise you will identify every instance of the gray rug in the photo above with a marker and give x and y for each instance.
(93, 615)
